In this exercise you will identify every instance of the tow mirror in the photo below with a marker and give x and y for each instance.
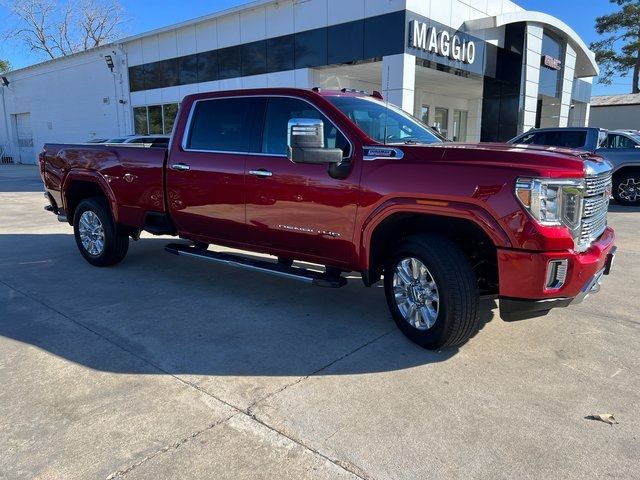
(305, 142)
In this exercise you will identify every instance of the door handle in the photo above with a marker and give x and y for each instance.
(261, 173)
(181, 167)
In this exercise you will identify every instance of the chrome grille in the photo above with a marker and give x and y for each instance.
(597, 185)
(594, 206)
(593, 228)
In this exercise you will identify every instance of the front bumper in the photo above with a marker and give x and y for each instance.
(523, 292)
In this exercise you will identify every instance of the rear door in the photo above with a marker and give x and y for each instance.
(206, 174)
(300, 208)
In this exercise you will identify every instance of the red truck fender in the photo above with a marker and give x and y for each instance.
(93, 177)
(461, 210)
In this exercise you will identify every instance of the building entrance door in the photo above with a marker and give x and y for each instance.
(25, 138)
(460, 125)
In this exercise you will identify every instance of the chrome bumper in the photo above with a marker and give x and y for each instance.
(593, 285)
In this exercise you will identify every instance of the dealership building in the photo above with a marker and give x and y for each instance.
(479, 70)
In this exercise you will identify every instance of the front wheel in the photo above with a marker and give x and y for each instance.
(626, 189)
(432, 292)
(97, 236)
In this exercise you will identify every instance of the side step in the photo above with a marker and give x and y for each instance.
(308, 276)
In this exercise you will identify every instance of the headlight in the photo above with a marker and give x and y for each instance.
(552, 201)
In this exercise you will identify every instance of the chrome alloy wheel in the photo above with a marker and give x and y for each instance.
(91, 233)
(629, 190)
(416, 293)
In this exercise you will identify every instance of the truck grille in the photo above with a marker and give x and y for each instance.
(594, 208)
(598, 184)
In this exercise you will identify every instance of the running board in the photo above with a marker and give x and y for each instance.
(308, 276)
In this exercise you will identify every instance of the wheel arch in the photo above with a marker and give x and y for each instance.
(78, 186)
(471, 228)
(626, 168)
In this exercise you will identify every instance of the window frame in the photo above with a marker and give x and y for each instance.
(187, 128)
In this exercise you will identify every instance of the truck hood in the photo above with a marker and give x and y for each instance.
(536, 160)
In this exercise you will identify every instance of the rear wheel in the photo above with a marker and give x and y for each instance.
(96, 234)
(432, 292)
(626, 189)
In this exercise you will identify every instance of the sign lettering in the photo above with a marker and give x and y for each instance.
(441, 42)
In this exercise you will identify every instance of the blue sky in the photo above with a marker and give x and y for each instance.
(144, 15)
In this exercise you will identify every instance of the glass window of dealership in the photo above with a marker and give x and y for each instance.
(474, 75)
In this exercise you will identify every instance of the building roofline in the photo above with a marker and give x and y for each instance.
(157, 31)
(591, 68)
(201, 19)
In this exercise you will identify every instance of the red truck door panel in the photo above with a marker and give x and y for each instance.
(299, 207)
(206, 176)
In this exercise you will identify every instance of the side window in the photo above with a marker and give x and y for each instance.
(620, 141)
(280, 110)
(226, 125)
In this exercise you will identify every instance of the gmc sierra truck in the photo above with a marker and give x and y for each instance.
(345, 181)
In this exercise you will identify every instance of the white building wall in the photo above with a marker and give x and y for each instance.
(615, 117)
(531, 71)
(69, 100)
(567, 85)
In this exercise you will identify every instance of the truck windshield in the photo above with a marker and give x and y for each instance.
(382, 123)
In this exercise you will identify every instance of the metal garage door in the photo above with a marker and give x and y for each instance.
(25, 138)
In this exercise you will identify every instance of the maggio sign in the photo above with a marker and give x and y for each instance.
(441, 42)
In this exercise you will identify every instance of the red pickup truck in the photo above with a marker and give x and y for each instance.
(346, 181)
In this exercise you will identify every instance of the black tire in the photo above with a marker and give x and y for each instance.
(116, 244)
(457, 313)
(626, 185)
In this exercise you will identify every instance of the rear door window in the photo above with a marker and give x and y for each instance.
(226, 125)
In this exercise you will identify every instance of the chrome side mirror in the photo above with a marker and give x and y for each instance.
(305, 142)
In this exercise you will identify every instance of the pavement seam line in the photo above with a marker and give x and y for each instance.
(315, 372)
(174, 446)
(237, 409)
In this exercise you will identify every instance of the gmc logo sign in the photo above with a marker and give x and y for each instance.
(550, 62)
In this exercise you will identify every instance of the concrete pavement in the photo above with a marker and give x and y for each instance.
(165, 367)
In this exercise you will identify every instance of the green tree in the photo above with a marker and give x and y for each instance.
(619, 52)
(4, 66)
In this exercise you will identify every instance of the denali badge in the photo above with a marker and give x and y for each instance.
(309, 230)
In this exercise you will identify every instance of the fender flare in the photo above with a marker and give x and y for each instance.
(479, 216)
(94, 177)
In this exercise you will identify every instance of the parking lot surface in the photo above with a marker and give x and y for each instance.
(166, 367)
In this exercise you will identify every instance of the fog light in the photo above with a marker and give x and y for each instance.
(556, 274)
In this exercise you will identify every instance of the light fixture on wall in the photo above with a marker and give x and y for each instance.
(109, 60)
(5, 81)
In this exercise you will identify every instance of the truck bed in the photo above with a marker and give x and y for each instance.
(132, 174)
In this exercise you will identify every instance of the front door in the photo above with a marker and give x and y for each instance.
(206, 174)
(25, 138)
(300, 208)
